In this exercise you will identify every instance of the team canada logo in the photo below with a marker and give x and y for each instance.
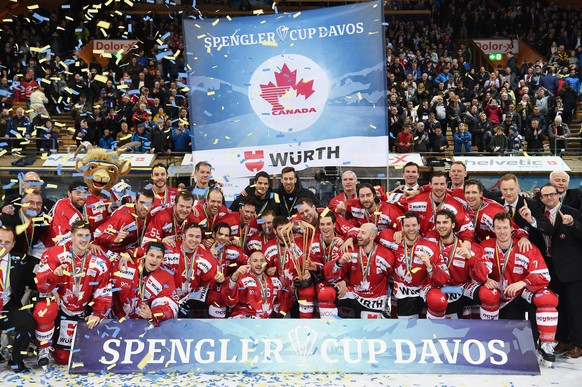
(254, 160)
(289, 92)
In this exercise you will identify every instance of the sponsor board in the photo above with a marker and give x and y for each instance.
(328, 345)
(497, 46)
(514, 164)
(272, 158)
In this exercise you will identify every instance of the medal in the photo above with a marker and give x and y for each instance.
(365, 267)
(77, 272)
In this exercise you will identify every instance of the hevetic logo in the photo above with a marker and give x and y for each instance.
(288, 92)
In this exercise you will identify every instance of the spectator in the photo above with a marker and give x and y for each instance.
(16, 124)
(421, 139)
(558, 132)
(462, 140)
(499, 142)
(515, 140)
(439, 143)
(141, 136)
(37, 102)
(493, 111)
(181, 139)
(159, 137)
(404, 141)
(535, 137)
(124, 136)
(107, 141)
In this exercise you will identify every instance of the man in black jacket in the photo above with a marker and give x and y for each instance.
(563, 254)
(260, 191)
(517, 205)
(290, 191)
(14, 274)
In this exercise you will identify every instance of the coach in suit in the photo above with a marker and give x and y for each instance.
(14, 274)
(517, 205)
(563, 253)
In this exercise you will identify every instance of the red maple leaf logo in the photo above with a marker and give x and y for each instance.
(286, 80)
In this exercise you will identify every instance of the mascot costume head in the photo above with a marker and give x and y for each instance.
(102, 170)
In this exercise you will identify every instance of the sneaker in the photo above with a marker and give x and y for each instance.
(547, 351)
(44, 356)
(18, 367)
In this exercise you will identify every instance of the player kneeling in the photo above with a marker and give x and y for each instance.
(250, 292)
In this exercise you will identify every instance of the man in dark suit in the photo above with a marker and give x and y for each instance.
(517, 205)
(14, 274)
(563, 254)
(29, 211)
(568, 197)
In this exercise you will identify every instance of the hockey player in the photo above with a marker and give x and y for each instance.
(228, 258)
(125, 228)
(80, 280)
(418, 272)
(145, 289)
(367, 208)
(168, 224)
(194, 269)
(460, 261)
(250, 292)
(164, 195)
(522, 279)
(361, 276)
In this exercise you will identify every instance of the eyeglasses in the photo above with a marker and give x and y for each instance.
(549, 195)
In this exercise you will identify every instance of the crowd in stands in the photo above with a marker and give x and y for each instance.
(432, 80)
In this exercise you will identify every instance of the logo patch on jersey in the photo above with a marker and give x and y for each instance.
(417, 207)
(249, 282)
(459, 263)
(518, 270)
(126, 273)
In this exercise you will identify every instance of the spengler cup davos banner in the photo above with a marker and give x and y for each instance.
(304, 89)
(287, 345)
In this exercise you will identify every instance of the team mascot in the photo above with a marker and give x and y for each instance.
(101, 171)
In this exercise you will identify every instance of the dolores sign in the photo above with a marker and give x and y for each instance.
(353, 346)
(305, 89)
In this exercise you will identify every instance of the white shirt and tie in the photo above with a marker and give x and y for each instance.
(5, 280)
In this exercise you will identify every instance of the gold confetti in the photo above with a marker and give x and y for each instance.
(146, 359)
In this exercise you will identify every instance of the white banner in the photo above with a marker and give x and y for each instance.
(246, 161)
(66, 160)
(514, 164)
(497, 46)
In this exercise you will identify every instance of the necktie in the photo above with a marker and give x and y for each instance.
(510, 209)
(547, 238)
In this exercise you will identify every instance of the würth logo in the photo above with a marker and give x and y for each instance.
(254, 160)
(289, 92)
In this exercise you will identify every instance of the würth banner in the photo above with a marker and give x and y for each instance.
(353, 346)
(305, 89)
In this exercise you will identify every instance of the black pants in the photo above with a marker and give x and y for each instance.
(569, 312)
(350, 308)
(23, 324)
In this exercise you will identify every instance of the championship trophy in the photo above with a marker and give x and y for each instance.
(299, 255)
